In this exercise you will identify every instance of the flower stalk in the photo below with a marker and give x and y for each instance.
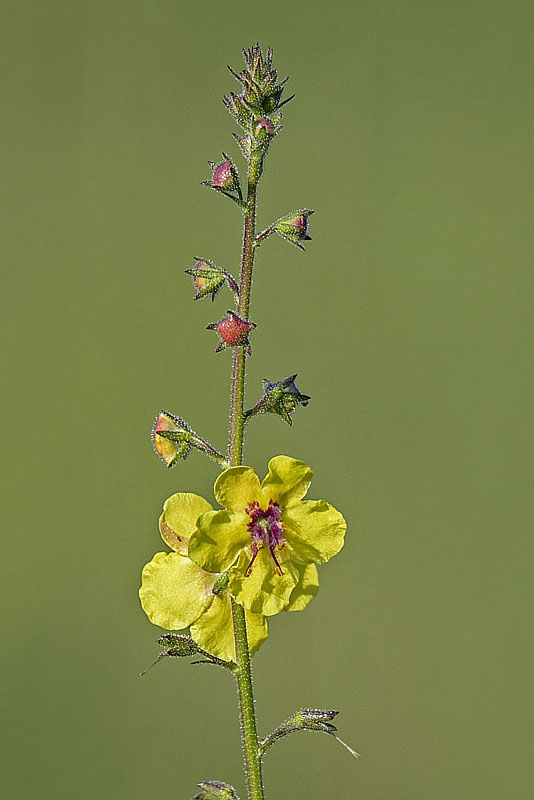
(243, 672)
(237, 416)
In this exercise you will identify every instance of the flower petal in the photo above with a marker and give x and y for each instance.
(214, 631)
(314, 530)
(179, 519)
(287, 481)
(263, 591)
(306, 588)
(174, 591)
(237, 487)
(219, 537)
(257, 630)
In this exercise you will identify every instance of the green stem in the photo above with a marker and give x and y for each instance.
(237, 420)
(243, 672)
(247, 714)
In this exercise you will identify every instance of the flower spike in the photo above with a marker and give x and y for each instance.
(226, 570)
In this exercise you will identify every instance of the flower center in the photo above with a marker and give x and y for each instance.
(266, 530)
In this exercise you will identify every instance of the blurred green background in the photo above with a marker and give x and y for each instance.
(407, 320)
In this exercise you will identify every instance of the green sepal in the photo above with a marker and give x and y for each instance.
(221, 583)
(177, 436)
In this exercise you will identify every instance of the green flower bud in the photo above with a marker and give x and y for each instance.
(294, 227)
(239, 109)
(216, 790)
(209, 278)
(280, 397)
(173, 438)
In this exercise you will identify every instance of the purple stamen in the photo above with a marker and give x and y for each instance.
(266, 530)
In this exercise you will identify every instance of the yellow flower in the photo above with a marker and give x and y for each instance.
(267, 536)
(176, 593)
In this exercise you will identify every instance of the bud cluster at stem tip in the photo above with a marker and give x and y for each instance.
(257, 107)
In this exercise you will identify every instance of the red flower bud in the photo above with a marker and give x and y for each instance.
(265, 125)
(233, 331)
(223, 176)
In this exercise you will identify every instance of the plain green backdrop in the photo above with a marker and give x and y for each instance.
(407, 320)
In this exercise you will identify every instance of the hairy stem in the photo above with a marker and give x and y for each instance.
(247, 714)
(237, 421)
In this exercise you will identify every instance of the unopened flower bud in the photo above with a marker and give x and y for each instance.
(209, 278)
(265, 126)
(280, 397)
(307, 719)
(294, 227)
(233, 331)
(178, 644)
(238, 108)
(225, 179)
(223, 176)
(244, 143)
(272, 101)
(312, 717)
(252, 97)
(172, 438)
(216, 790)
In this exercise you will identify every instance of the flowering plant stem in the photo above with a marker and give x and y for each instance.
(233, 568)
(243, 671)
